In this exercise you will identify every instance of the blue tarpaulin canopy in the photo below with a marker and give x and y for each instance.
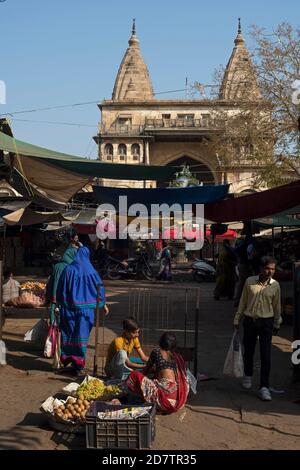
(170, 196)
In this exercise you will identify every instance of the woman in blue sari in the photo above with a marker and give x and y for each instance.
(52, 284)
(77, 299)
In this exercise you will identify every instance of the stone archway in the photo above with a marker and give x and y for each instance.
(202, 172)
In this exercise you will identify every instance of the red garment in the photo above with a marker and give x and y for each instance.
(176, 392)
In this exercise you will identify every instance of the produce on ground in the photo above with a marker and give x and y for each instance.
(96, 389)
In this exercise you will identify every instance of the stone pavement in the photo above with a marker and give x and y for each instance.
(220, 416)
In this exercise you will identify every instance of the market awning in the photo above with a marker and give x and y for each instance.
(170, 196)
(278, 221)
(255, 206)
(59, 175)
(27, 216)
(15, 205)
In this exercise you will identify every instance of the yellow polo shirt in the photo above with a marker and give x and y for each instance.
(121, 343)
(260, 301)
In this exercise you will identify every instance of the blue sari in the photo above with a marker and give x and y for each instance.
(51, 288)
(77, 298)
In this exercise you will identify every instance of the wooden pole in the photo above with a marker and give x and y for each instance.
(196, 333)
(97, 312)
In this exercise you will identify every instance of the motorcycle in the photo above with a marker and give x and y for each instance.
(117, 269)
(203, 271)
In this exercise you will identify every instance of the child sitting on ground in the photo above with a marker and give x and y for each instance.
(118, 364)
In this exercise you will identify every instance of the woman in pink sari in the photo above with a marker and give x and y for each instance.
(169, 388)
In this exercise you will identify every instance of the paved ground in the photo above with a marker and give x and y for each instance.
(220, 416)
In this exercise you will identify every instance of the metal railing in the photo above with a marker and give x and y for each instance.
(159, 124)
(157, 309)
(179, 123)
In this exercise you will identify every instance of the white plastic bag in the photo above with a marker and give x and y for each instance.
(192, 381)
(38, 333)
(234, 363)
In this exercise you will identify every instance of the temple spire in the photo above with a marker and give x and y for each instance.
(133, 81)
(239, 40)
(133, 41)
(239, 27)
(240, 81)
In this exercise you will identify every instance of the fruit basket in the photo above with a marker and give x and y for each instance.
(63, 415)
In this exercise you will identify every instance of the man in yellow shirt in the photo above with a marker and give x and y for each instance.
(260, 305)
(118, 365)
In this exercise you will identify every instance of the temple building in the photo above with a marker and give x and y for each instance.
(137, 128)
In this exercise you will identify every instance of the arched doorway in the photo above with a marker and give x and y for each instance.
(201, 171)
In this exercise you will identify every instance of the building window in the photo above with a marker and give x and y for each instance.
(206, 120)
(185, 116)
(125, 121)
(122, 150)
(108, 151)
(135, 150)
(122, 158)
(124, 124)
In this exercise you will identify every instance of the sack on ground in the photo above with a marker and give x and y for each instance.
(38, 333)
(234, 364)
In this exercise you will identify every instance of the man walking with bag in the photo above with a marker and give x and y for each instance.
(260, 305)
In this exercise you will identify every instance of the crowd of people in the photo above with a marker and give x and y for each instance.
(75, 288)
(72, 293)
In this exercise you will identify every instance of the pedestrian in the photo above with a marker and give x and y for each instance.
(101, 255)
(169, 388)
(77, 295)
(165, 269)
(244, 254)
(74, 240)
(52, 283)
(225, 272)
(260, 305)
(119, 364)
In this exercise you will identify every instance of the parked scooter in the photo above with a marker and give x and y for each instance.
(117, 269)
(203, 271)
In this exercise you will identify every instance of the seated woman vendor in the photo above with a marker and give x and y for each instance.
(169, 388)
(118, 363)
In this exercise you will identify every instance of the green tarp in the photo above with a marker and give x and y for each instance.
(85, 167)
(278, 221)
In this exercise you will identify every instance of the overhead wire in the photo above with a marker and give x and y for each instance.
(83, 103)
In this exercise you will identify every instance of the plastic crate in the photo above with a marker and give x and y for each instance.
(136, 433)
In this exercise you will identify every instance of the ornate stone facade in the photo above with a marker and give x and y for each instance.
(137, 128)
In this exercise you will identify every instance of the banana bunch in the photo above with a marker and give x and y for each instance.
(96, 389)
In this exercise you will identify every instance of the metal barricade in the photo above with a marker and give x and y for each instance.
(157, 309)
